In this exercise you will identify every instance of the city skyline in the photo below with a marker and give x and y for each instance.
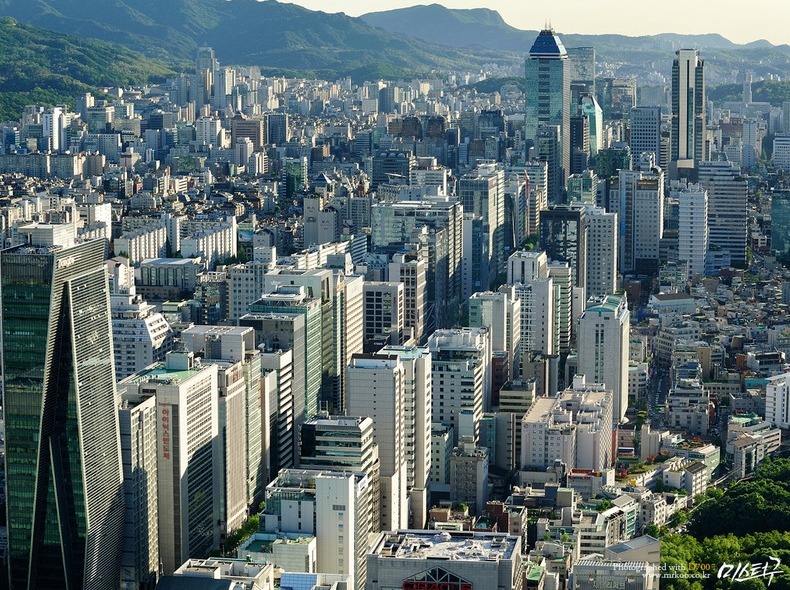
(565, 17)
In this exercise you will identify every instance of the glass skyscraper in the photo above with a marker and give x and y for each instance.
(548, 99)
(64, 502)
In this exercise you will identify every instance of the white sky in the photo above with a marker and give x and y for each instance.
(738, 21)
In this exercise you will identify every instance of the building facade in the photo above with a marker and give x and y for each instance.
(64, 495)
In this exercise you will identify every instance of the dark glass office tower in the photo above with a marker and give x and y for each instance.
(64, 502)
(563, 235)
(548, 103)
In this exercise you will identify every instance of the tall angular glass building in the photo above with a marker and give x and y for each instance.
(64, 502)
(548, 101)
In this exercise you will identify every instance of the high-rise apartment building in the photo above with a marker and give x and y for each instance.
(252, 129)
(281, 339)
(516, 210)
(295, 300)
(140, 557)
(141, 335)
(777, 400)
(548, 99)
(688, 111)
(243, 406)
(277, 368)
(603, 347)
(434, 228)
(344, 443)
(537, 199)
(63, 478)
(582, 68)
(574, 427)
(501, 314)
(528, 273)
(561, 275)
(276, 128)
(548, 147)
(580, 143)
(328, 505)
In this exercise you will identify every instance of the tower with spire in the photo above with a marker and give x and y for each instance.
(548, 102)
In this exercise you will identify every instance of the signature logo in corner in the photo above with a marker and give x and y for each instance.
(738, 572)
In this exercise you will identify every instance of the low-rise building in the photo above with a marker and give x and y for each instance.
(594, 573)
(228, 573)
(417, 559)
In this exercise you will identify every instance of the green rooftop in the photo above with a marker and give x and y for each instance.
(533, 571)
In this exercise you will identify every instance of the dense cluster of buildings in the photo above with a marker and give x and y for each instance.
(374, 326)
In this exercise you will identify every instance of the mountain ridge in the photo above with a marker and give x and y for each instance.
(287, 39)
(39, 66)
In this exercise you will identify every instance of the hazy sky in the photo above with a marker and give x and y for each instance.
(737, 20)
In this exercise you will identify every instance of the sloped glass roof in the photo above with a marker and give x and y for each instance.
(547, 43)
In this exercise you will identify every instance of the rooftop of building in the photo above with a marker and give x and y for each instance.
(218, 330)
(467, 546)
(672, 296)
(745, 419)
(34, 249)
(264, 542)
(547, 44)
(405, 352)
(171, 262)
(597, 562)
(696, 467)
(605, 304)
(166, 375)
(328, 421)
(533, 571)
(635, 543)
(540, 409)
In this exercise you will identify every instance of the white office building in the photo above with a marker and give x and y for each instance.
(375, 386)
(603, 343)
(328, 505)
(693, 228)
(417, 413)
(777, 400)
(601, 252)
(141, 335)
(461, 373)
(188, 458)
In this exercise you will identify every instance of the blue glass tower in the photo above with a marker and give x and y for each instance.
(548, 101)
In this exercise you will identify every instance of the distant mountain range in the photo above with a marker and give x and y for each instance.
(290, 40)
(620, 54)
(393, 43)
(273, 35)
(41, 67)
